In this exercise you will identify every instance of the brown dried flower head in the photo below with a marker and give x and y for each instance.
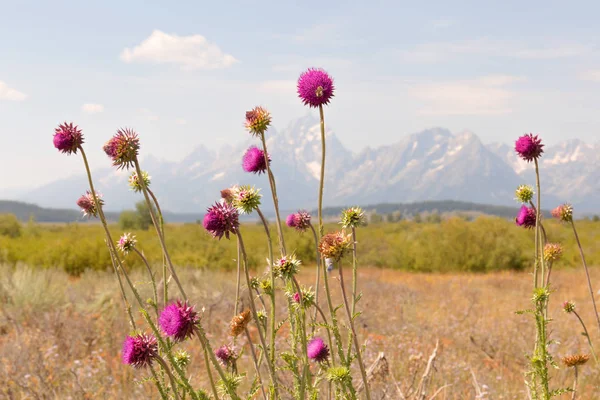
(239, 323)
(334, 245)
(575, 360)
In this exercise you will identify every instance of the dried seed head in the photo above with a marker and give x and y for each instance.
(239, 323)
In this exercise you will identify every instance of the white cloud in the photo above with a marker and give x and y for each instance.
(92, 108)
(278, 87)
(180, 121)
(592, 75)
(7, 93)
(189, 52)
(488, 95)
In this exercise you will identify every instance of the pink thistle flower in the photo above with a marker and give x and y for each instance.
(299, 220)
(123, 148)
(317, 350)
(126, 243)
(221, 219)
(178, 319)
(291, 220)
(140, 350)
(568, 307)
(254, 160)
(564, 212)
(529, 147)
(297, 297)
(315, 87)
(226, 355)
(526, 217)
(257, 121)
(67, 138)
(88, 205)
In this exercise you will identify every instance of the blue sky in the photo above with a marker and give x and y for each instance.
(182, 73)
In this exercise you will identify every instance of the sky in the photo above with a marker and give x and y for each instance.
(182, 73)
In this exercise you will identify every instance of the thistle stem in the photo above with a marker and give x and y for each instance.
(164, 263)
(322, 180)
(159, 386)
(574, 395)
(354, 271)
(539, 259)
(165, 367)
(274, 193)
(141, 255)
(255, 360)
(306, 370)
(209, 373)
(272, 276)
(587, 335)
(318, 279)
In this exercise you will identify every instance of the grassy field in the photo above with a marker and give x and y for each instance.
(60, 336)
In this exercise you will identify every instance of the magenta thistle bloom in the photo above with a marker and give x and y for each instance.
(254, 160)
(299, 220)
(315, 87)
(297, 297)
(178, 319)
(291, 220)
(139, 350)
(526, 217)
(564, 212)
(529, 147)
(257, 121)
(123, 148)
(67, 138)
(317, 350)
(221, 219)
(88, 205)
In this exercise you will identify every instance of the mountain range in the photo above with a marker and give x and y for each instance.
(434, 164)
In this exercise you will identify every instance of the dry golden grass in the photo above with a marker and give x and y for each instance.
(60, 337)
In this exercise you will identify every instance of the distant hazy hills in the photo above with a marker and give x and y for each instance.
(426, 166)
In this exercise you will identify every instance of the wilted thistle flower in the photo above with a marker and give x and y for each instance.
(315, 87)
(317, 350)
(524, 193)
(126, 243)
(353, 217)
(88, 205)
(182, 358)
(529, 147)
(257, 121)
(254, 160)
(67, 138)
(140, 350)
(227, 194)
(246, 199)
(564, 212)
(134, 182)
(552, 251)
(226, 355)
(178, 320)
(568, 307)
(526, 217)
(299, 220)
(575, 360)
(334, 245)
(123, 148)
(239, 323)
(221, 219)
(287, 266)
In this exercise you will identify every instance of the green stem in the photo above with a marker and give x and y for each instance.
(255, 360)
(318, 279)
(322, 180)
(164, 365)
(587, 335)
(334, 323)
(159, 386)
(209, 373)
(141, 255)
(305, 371)
(274, 194)
(354, 272)
(587, 272)
(272, 276)
(164, 264)
(539, 259)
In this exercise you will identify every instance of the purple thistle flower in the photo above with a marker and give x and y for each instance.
(221, 219)
(315, 87)
(67, 138)
(526, 217)
(291, 220)
(299, 220)
(226, 355)
(123, 148)
(254, 160)
(139, 350)
(529, 147)
(177, 320)
(297, 297)
(88, 205)
(317, 350)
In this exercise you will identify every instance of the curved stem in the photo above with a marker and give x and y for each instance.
(587, 272)
(164, 265)
(322, 180)
(274, 193)
(363, 372)
(156, 226)
(164, 365)
(254, 313)
(141, 255)
(318, 279)
(272, 276)
(256, 367)
(587, 335)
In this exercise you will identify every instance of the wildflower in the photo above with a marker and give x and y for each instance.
(246, 199)
(182, 358)
(239, 323)
(524, 193)
(564, 212)
(126, 243)
(315, 87)
(254, 160)
(529, 147)
(134, 182)
(221, 219)
(334, 245)
(88, 205)
(123, 148)
(299, 220)
(352, 217)
(306, 296)
(526, 217)
(178, 320)
(287, 266)
(317, 350)
(552, 251)
(568, 307)
(575, 360)
(67, 138)
(139, 350)
(226, 355)
(257, 121)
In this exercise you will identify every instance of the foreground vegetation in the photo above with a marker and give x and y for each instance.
(483, 245)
